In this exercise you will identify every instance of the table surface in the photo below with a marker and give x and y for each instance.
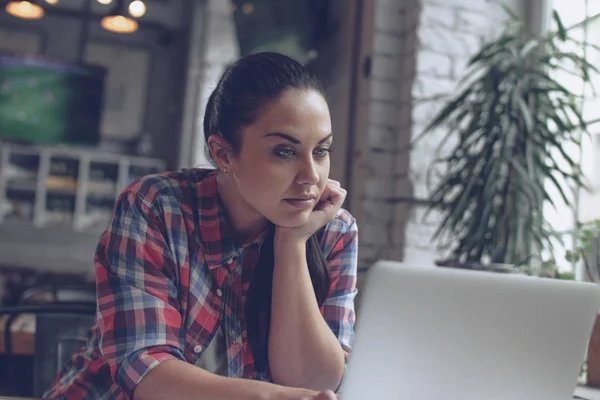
(23, 334)
(585, 392)
(16, 398)
(588, 393)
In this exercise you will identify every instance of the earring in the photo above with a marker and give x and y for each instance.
(224, 170)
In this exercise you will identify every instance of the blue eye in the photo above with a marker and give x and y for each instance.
(284, 153)
(322, 152)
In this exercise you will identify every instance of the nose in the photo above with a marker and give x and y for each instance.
(307, 173)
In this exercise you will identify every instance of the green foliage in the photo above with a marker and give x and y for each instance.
(509, 126)
(586, 238)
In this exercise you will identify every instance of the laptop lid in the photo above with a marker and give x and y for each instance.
(431, 333)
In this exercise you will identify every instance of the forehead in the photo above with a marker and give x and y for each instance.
(295, 112)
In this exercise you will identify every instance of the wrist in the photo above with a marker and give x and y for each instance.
(267, 391)
(285, 239)
(278, 392)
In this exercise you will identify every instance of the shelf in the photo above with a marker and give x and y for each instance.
(21, 185)
(59, 186)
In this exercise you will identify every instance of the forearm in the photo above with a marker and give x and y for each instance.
(303, 351)
(175, 379)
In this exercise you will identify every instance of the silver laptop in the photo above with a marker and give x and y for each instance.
(427, 333)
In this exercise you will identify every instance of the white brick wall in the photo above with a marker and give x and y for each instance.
(420, 49)
(382, 137)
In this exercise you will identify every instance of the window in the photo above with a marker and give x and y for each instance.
(582, 18)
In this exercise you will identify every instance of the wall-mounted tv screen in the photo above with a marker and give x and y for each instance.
(45, 101)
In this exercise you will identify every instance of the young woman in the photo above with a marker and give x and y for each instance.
(233, 283)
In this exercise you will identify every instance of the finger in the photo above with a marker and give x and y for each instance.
(337, 196)
(331, 206)
(334, 183)
(327, 395)
(326, 194)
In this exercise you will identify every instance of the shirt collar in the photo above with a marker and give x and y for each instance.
(216, 232)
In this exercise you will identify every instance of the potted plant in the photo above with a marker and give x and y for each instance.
(505, 137)
(586, 251)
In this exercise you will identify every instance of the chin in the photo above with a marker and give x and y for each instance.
(291, 221)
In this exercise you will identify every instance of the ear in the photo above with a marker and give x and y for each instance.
(220, 150)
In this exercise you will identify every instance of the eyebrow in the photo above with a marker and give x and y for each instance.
(293, 139)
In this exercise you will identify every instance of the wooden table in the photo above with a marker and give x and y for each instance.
(23, 334)
(16, 398)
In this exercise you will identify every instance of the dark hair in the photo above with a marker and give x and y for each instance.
(245, 88)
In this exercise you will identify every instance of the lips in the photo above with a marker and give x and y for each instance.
(302, 201)
(303, 197)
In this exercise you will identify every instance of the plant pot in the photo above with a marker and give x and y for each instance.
(593, 357)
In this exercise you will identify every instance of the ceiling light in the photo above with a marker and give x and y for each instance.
(137, 8)
(24, 9)
(52, 2)
(247, 8)
(105, 2)
(117, 21)
(119, 24)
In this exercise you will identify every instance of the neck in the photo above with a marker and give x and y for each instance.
(246, 222)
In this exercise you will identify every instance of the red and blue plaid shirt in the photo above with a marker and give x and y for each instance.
(169, 273)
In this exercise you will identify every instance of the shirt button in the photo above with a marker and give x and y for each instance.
(219, 292)
(197, 349)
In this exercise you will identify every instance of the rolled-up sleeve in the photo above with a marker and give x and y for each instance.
(338, 309)
(139, 315)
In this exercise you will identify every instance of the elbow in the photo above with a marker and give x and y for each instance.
(150, 385)
(318, 375)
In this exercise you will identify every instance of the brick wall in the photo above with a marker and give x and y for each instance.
(420, 49)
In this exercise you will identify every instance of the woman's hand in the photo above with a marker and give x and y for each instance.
(315, 360)
(302, 394)
(328, 395)
(325, 211)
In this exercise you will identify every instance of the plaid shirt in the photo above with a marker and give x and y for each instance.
(169, 273)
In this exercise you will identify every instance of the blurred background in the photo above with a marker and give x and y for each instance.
(95, 94)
